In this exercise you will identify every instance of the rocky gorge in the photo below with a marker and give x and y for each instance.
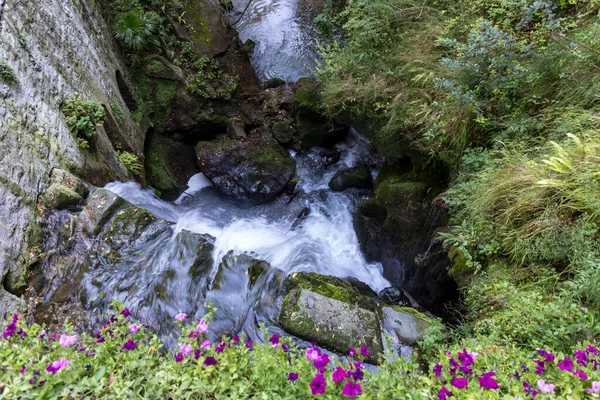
(247, 196)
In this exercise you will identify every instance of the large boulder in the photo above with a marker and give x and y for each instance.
(255, 169)
(357, 177)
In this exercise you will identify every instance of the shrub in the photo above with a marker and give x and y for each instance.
(7, 75)
(116, 108)
(82, 117)
(135, 30)
(210, 82)
(131, 162)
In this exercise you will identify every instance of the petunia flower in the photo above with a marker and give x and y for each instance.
(437, 369)
(22, 371)
(293, 376)
(545, 387)
(249, 344)
(465, 358)
(460, 383)
(595, 388)
(592, 349)
(205, 344)
(285, 348)
(202, 327)
(236, 339)
(134, 328)
(90, 353)
(186, 349)
(210, 361)
(581, 375)
(352, 353)
(178, 357)
(339, 375)
(566, 364)
(274, 340)
(124, 313)
(129, 345)
(180, 316)
(100, 339)
(487, 381)
(193, 335)
(581, 357)
(364, 350)
(318, 384)
(351, 389)
(219, 348)
(548, 357)
(321, 363)
(313, 354)
(444, 393)
(67, 340)
(57, 365)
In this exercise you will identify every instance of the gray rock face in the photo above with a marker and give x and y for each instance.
(357, 177)
(65, 48)
(407, 326)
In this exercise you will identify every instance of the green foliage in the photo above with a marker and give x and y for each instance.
(116, 108)
(135, 30)
(209, 82)
(82, 117)
(7, 75)
(131, 162)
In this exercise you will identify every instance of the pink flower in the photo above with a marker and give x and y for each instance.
(134, 328)
(460, 383)
(180, 316)
(202, 327)
(545, 387)
(186, 348)
(313, 354)
(339, 374)
(595, 388)
(66, 340)
(352, 353)
(318, 384)
(205, 344)
(364, 350)
(57, 365)
(351, 389)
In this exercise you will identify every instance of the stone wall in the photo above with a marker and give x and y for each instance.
(56, 48)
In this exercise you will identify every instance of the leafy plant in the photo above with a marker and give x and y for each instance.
(7, 75)
(210, 82)
(82, 117)
(135, 30)
(131, 162)
(116, 108)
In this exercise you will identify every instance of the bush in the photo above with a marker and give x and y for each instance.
(131, 162)
(209, 82)
(116, 108)
(7, 75)
(82, 117)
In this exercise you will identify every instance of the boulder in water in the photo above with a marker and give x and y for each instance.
(407, 324)
(357, 177)
(99, 210)
(273, 83)
(255, 169)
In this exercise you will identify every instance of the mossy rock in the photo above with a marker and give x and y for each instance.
(273, 83)
(407, 324)
(69, 180)
(160, 68)
(282, 131)
(101, 207)
(199, 248)
(61, 197)
(357, 177)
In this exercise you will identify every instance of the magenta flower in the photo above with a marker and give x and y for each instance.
(22, 371)
(284, 347)
(364, 350)
(566, 364)
(437, 369)
(57, 365)
(193, 335)
(581, 357)
(210, 361)
(321, 363)
(180, 316)
(66, 340)
(197, 354)
(529, 390)
(236, 339)
(460, 383)
(293, 376)
(129, 345)
(274, 340)
(313, 354)
(249, 344)
(202, 327)
(134, 328)
(186, 349)
(487, 381)
(358, 374)
(318, 384)
(219, 348)
(124, 313)
(339, 375)
(351, 389)
(205, 344)
(595, 388)
(548, 357)
(592, 349)
(581, 375)
(465, 358)
(444, 393)
(352, 353)
(178, 357)
(545, 387)
(540, 367)
(90, 353)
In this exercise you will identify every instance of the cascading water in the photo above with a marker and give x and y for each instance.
(212, 252)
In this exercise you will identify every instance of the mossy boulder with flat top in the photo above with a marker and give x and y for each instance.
(256, 169)
(61, 197)
(357, 177)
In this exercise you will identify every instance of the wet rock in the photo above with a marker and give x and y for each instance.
(329, 157)
(394, 295)
(99, 210)
(283, 132)
(301, 217)
(200, 248)
(255, 169)
(70, 181)
(357, 177)
(249, 46)
(61, 197)
(273, 83)
(159, 67)
(236, 129)
(407, 324)
(331, 312)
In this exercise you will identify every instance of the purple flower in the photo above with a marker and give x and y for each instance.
(460, 383)
(581, 375)
(186, 348)
(545, 387)
(202, 327)
(205, 344)
(321, 363)
(249, 344)
(236, 339)
(66, 340)
(129, 345)
(274, 340)
(595, 388)
(293, 376)
(313, 354)
(134, 328)
(57, 365)
(210, 361)
(358, 374)
(178, 357)
(540, 367)
(318, 384)
(529, 390)
(285, 348)
(351, 389)
(193, 335)
(437, 369)
(443, 393)
(90, 353)
(352, 353)
(100, 339)
(180, 316)
(581, 357)
(124, 313)
(364, 350)
(566, 364)
(592, 349)
(487, 381)
(465, 358)
(22, 371)
(548, 357)
(219, 348)
(10, 330)
(339, 375)
(197, 354)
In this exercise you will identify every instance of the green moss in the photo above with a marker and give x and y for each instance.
(413, 312)
(7, 75)
(129, 221)
(155, 67)
(117, 110)
(197, 24)
(155, 97)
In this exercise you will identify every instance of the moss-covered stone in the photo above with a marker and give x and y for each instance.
(60, 197)
(282, 131)
(273, 83)
(99, 210)
(357, 177)
(407, 324)
(159, 67)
